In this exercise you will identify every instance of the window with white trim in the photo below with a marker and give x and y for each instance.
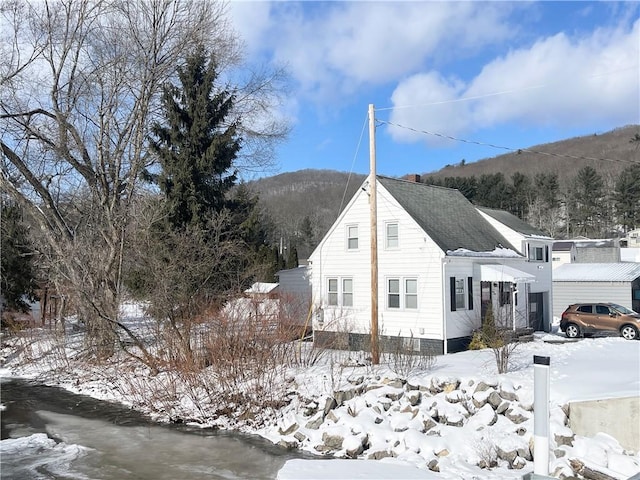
(538, 253)
(340, 292)
(352, 237)
(347, 292)
(393, 293)
(402, 293)
(460, 294)
(332, 291)
(411, 293)
(392, 235)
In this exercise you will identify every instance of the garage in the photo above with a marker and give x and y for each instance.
(596, 282)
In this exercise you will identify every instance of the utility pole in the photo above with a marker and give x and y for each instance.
(373, 207)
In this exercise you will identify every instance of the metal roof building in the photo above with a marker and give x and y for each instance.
(596, 282)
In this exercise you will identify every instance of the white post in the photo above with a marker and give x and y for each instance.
(541, 415)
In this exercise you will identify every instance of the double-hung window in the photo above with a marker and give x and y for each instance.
(332, 292)
(402, 293)
(392, 235)
(410, 293)
(340, 292)
(352, 237)
(538, 253)
(347, 292)
(460, 294)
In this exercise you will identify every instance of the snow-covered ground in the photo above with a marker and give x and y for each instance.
(454, 419)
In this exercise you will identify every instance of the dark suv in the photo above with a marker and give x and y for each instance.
(588, 318)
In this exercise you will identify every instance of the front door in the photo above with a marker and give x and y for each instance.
(536, 311)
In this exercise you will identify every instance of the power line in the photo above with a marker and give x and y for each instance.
(509, 149)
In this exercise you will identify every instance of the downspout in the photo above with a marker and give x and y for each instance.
(445, 348)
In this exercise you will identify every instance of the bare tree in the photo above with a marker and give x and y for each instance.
(79, 88)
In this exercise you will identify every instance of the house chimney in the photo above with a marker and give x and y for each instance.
(413, 177)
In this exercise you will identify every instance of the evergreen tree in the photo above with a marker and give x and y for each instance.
(585, 202)
(493, 191)
(18, 271)
(292, 258)
(520, 193)
(627, 197)
(197, 147)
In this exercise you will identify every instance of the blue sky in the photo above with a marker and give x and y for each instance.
(513, 74)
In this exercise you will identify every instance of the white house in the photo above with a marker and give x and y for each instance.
(441, 264)
(596, 282)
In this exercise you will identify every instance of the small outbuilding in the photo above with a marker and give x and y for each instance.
(596, 282)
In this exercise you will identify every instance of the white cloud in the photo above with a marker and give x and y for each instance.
(333, 49)
(557, 81)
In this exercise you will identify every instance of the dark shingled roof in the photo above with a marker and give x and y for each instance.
(445, 215)
(513, 222)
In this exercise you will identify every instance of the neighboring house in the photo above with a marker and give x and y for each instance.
(536, 246)
(295, 293)
(596, 282)
(632, 239)
(586, 250)
(441, 265)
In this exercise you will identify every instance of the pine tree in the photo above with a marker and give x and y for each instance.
(586, 194)
(18, 272)
(627, 197)
(198, 145)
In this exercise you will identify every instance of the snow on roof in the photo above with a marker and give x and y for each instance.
(499, 252)
(261, 287)
(597, 272)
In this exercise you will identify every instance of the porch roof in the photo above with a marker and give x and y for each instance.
(503, 273)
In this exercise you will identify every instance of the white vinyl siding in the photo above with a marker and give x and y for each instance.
(417, 257)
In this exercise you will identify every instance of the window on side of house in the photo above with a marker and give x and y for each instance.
(352, 237)
(402, 293)
(340, 292)
(347, 292)
(411, 293)
(392, 235)
(460, 294)
(538, 253)
(393, 293)
(332, 291)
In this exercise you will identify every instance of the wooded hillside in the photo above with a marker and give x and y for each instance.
(312, 199)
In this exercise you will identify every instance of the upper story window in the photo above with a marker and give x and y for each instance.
(538, 253)
(392, 235)
(352, 237)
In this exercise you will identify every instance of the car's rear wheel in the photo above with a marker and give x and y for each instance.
(572, 330)
(629, 332)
